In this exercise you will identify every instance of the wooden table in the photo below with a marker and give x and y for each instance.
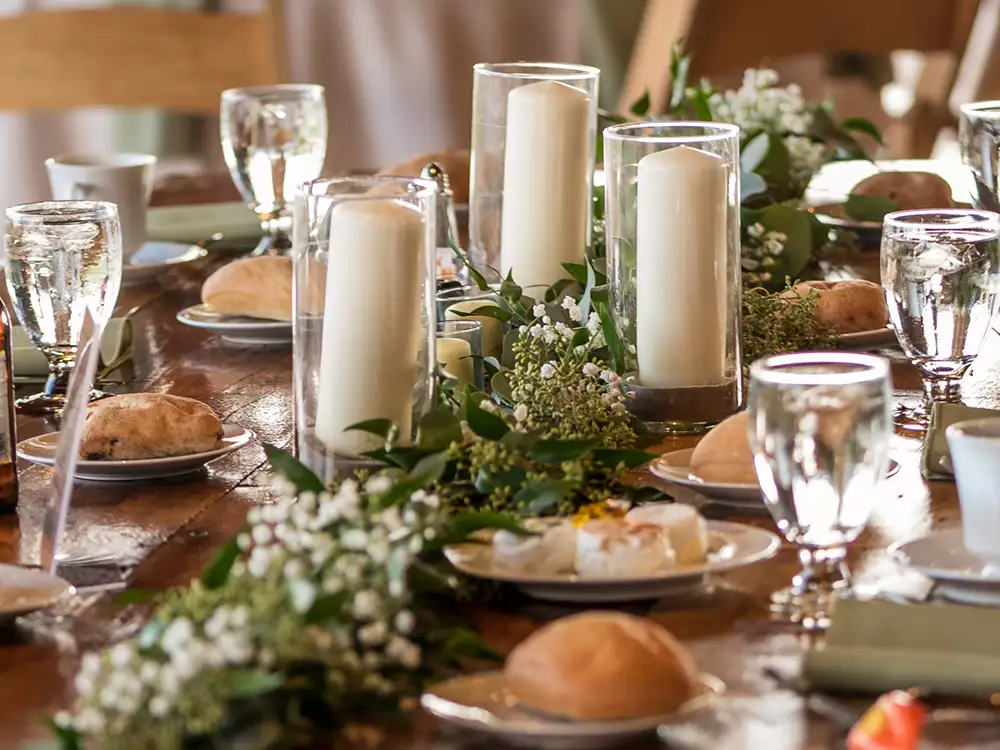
(169, 529)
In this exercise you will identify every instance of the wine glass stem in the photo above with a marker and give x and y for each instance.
(823, 572)
(945, 390)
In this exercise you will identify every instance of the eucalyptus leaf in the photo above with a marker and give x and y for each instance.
(774, 166)
(403, 456)
(247, 683)
(521, 440)
(560, 289)
(507, 355)
(509, 289)
(588, 287)
(485, 311)
(382, 428)
(680, 64)
(474, 272)
(796, 225)
(753, 153)
(557, 451)
(578, 271)
(491, 366)
(868, 207)
(327, 607)
(615, 345)
(430, 469)
(66, 738)
(537, 498)
(629, 457)
(292, 469)
(489, 482)
(751, 184)
(469, 644)
(134, 596)
(217, 573)
(484, 424)
(438, 429)
(640, 107)
(500, 384)
(581, 337)
(863, 125)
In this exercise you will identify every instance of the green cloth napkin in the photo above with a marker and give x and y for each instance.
(30, 363)
(197, 223)
(935, 443)
(876, 646)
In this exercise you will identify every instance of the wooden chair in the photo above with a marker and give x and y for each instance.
(175, 60)
(727, 36)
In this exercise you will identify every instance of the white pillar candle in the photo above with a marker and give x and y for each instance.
(455, 357)
(546, 188)
(371, 321)
(492, 328)
(681, 269)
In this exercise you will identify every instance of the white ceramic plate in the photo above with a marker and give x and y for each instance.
(42, 450)
(154, 258)
(733, 546)
(960, 576)
(24, 590)
(481, 702)
(879, 337)
(236, 329)
(675, 467)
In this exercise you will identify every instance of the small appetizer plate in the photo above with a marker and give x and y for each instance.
(42, 450)
(731, 545)
(237, 329)
(675, 467)
(24, 590)
(959, 575)
(482, 703)
(153, 258)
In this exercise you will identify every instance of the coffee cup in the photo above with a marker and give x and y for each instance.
(975, 456)
(123, 179)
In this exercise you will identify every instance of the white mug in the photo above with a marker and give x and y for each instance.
(975, 458)
(124, 179)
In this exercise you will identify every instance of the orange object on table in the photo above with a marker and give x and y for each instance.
(894, 722)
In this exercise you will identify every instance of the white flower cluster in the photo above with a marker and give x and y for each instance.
(552, 333)
(305, 547)
(760, 105)
(760, 253)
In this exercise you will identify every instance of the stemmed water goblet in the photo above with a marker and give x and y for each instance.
(61, 258)
(819, 429)
(979, 141)
(940, 272)
(273, 141)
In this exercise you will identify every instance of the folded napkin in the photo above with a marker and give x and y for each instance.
(875, 646)
(30, 363)
(235, 221)
(937, 459)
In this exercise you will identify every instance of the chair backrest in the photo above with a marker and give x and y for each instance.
(174, 60)
(727, 36)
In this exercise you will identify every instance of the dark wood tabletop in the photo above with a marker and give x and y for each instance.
(167, 530)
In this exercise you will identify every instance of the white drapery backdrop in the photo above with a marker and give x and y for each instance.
(398, 75)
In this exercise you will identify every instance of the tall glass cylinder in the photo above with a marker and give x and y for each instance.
(673, 236)
(534, 129)
(364, 314)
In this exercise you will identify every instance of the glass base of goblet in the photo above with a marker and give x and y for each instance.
(912, 418)
(277, 243)
(49, 403)
(807, 601)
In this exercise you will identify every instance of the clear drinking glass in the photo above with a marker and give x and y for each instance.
(62, 257)
(940, 272)
(273, 140)
(819, 432)
(979, 140)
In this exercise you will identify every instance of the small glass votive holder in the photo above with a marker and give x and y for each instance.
(364, 317)
(673, 238)
(460, 350)
(534, 129)
(462, 303)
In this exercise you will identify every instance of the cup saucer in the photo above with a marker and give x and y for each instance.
(960, 576)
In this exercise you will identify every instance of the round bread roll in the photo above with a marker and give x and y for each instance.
(600, 666)
(454, 162)
(723, 455)
(846, 306)
(908, 190)
(256, 287)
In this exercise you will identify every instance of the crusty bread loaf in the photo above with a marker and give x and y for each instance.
(723, 455)
(148, 425)
(908, 190)
(255, 287)
(846, 306)
(597, 666)
(454, 162)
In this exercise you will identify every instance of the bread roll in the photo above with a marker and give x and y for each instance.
(599, 666)
(846, 306)
(908, 190)
(454, 162)
(255, 287)
(148, 425)
(723, 455)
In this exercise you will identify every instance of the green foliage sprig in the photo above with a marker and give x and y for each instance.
(775, 324)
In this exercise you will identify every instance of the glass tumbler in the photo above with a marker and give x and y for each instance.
(940, 272)
(364, 315)
(979, 141)
(62, 257)
(819, 428)
(273, 141)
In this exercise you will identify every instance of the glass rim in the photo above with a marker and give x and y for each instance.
(777, 369)
(61, 212)
(569, 71)
(463, 325)
(723, 131)
(991, 106)
(977, 219)
(256, 91)
(985, 428)
(427, 187)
